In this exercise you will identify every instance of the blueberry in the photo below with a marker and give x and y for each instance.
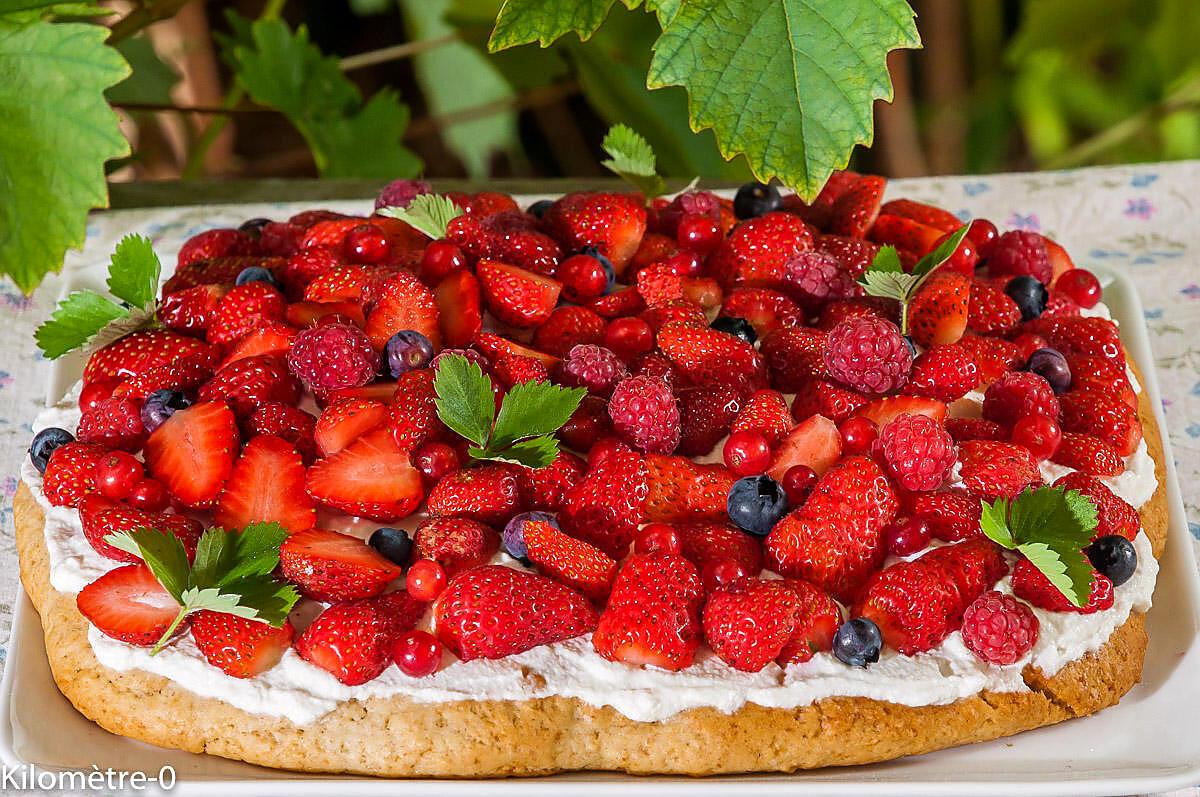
(45, 442)
(1115, 557)
(756, 503)
(738, 327)
(255, 274)
(912, 346)
(1051, 366)
(393, 544)
(254, 226)
(1029, 294)
(513, 536)
(160, 405)
(857, 642)
(592, 251)
(539, 208)
(406, 351)
(755, 199)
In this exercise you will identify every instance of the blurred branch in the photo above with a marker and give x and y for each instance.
(535, 98)
(143, 14)
(899, 145)
(944, 67)
(216, 110)
(396, 52)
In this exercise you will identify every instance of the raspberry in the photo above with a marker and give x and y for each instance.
(398, 193)
(945, 372)
(917, 450)
(1018, 394)
(868, 354)
(333, 356)
(645, 415)
(1019, 252)
(814, 277)
(999, 628)
(594, 367)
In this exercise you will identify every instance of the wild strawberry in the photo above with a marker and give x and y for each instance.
(994, 357)
(905, 234)
(267, 485)
(568, 327)
(814, 442)
(510, 236)
(677, 311)
(868, 355)
(577, 564)
(990, 310)
(287, 423)
(706, 414)
(996, 470)
(706, 357)
(1030, 584)
(835, 540)
(1017, 395)
(938, 311)
(251, 382)
(882, 411)
(962, 429)
(703, 543)
(344, 284)
(237, 646)
(412, 415)
(822, 397)
(515, 296)
(1090, 369)
(816, 621)
(459, 301)
(1091, 335)
(971, 566)
(70, 473)
(543, 489)
(139, 352)
(1019, 252)
(403, 303)
(329, 566)
(244, 309)
(369, 478)
(820, 211)
(928, 215)
(192, 452)
(652, 615)
(999, 628)
(221, 242)
(765, 412)
(114, 422)
(814, 278)
(678, 489)
(190, 310)
(943, 372)
(309, 218)
(185, 375)
(612, 223)
(344, 422)
(1114, 514)
(353, 641)
(306, 266)
(489, 493)
(329, 232)
(605, 508)
(918, 451)
(855, 254)
(129, 605)
(854, 211)
(1096, 412)
(1088, 454)
(951, 516)
(100, 517)
(455, 543)
(755, 252)
(217, 271)
(766, 310)
(618, 304)
(748, 621)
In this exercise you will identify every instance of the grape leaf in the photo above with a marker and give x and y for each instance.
(348, 138)
(56, 135)
(789, 83)
(543, 21)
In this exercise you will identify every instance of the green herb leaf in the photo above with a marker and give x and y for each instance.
(1050, 526)
(77, 320)
(534, 452)
(543, 21)
(532, 409)
(429, 213)
(789, 83)
(886, 279)
(255, 551)
(940, 254)
(464, 398)
(57, 134)
(133, 273)
(162, 552)
(889, 284)
(886, 260)
(632, 159)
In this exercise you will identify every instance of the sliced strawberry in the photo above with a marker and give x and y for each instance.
(329, 232)
(270, 339)
(238, 646)
(1060, 261)
(343, 284)
(412, 416)
(613, 223)
(251, 382)
(345, 421)
(369, 478)
(129, 605)
(704, 543)
(854, 212)
(266, 485)
(652, 615)
(928, 215)
(403, 303)
(307, 314)
(883, 410)
(814, 442)
(100, 517)
(680, 490)
(353, 641)
(938, 311)
(904, 233)
(618, 304)
(376, 391)
(191, 310)
(460, 316)
(574, 562)
(495, 346)
(193, 451)
(329, 566)
(515, 296)
(217, 270)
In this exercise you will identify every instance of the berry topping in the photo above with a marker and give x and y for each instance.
(45, 443)
(406, 351)
(756, 504)
(652, 615)
(333, 356)
(1020, 252)
(645, 415)
(1029, 294)
(857, 642)
(918, 451)
(868, 354)
(1114, 557)
(353, 641)
(999, 629)
(393, 544)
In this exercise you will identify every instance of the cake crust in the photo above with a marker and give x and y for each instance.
(396, 737)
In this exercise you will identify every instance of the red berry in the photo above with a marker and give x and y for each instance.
(918, 450)
(366, 243)
(1020, 252)
(333, 356)
(117, 473)
(96, 391)
(439, 260)
(798, 482)
(698, 233)
(1017, 394)
(149, 495)
(645, 414)
(1028, 343)
(984, 235)
(594, 367)
(999, 628)
(720, 572)
(868, 354)
(657, 538)
(906, 537)
(583, 278)
(685, 263)
(417, 653)
(858, 434)
(425, 580)
(601, 449)
(746, 453)
(1081, 285)
(436, 461)
(629, 337)
(1040, 434)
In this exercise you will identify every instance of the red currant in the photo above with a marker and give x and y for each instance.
(1041, 435)
(601, 449)
(436, 461)
(366, 243)
(858, 433)
(746, 453)
(117, 473)
(798, 482)
(964, 257)
(719, 572)
(417, 653)
(440, 259)
(685, 263)
(149, 495)
(1028, 343)
(906, 537)
(425, 580)
(1081, 285)
(657, 538)
(984, 235)
(96, 391)
(583, 278)
(698, 233)
(628, 337)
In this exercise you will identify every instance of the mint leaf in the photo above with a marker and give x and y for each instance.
(535, 452)
(133, 273)
(632, 159)
(889, 284)
(543, 21)
(886, 279)
(262, 598)
(464, 398)
(78, 319)
(789, 83)
(56, 136)
(532, 409)
(429, 213)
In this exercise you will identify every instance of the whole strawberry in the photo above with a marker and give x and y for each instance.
(1018, 395)
(612, 223)
(139, 352)
(1114, 514)
(1019, 252)
(455, 543)
(992, 469)
(250, 383)
(795, 357)
(573, 562)
(605, 508)
(678, 489)
(544, 488)
(488, 493)
(412, 416)
(945, 372)
(765, 412)
(244, 309)
(329, 566)
(221, 242)
(703, 543)
(652, 616)
(333, 356)
(706, 414)
(755, 253)
(353, 641)
(1030, 584)
(707, 356)
(100, 517)
(70, 473)
(114, 422)
(748, 621)
(868, 354)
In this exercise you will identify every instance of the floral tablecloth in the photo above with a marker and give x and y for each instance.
(1142, 219)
